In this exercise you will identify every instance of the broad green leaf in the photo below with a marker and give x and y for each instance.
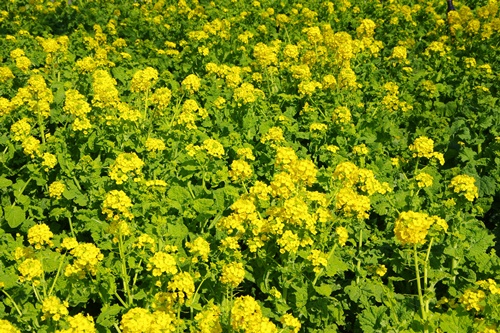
(14, 215)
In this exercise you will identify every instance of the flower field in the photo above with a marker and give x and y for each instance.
(249, 166)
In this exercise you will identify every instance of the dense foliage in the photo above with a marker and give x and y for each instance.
(249, 166)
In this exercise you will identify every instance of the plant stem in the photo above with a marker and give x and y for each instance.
(14, 303)
(358, 266)
(125, 277)
(419, 286)
(57, 274)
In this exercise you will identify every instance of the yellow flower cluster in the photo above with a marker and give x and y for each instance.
(20, 129)
(489, 285)
(191, 83)
(31, 270)
(341, 115)
(274, 134)
(245, 153)
(161, 263)
(5, 105)
(424, 180)
(247, 93)
(289, 320)
(22, 62)
(31, 146)
(161, 98)
(473, 299)
(318, 259)
(465, 185)
(213, 148)
(76, 105)
(53, 308)
(144, 239)
(232, 274)
(208, 320)
(117, 201)
(5, 74)
(49, 161)
(424, 147)
(246, 316)
(307, 88)
(40, 235)
(240, 170)
(105, 92)
(7, 327)
(391, 99)
(199, 248)
(79, 323)
(155, 145)
(366, 29)
(124, 164)
(139, 320)
(143, 80)
(182, 287)
(412, 227)
(342, 234)
(86, 258)
(56, 189)
(36, 95)
(266, 55)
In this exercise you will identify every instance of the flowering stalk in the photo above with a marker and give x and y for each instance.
(125, 277)
(57, 274)
(419, 286)
(14, 303)
(358, 266)
(426, 263)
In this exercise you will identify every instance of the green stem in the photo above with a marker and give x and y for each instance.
(57, 274)
(125, 277)
(419, 286)
(15, 304)
(426, 263)
(328, 259)
(71, 227)
(36, 292)
(358, 266)
(117, 328)
(42, 127)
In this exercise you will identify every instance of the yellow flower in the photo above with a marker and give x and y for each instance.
(240, 170)
(86, 258)
(7, 327)
(124, 164)
(49, 161)
(30, 270)
(79, 323)
(161, 263)
(465, 185)
(208, 320)
(232, 274)
(381, 270)
(40, 235)
(342, 234)
(56, 189)
(213, 148)
(155, 145)
(289, 320)
(199, 248)
(144, 79)
(473, 299)
(318, 259)
(53, 308)
(182, 286)
(191, 83)
(424, 180)
(412, 227)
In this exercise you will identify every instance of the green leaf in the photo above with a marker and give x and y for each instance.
(108, 315)
(178, 193)
(456, 322)
(14, 215)
(335, 265)
(203, 205)
(4, 182)
(324, 289)
(371, 318)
